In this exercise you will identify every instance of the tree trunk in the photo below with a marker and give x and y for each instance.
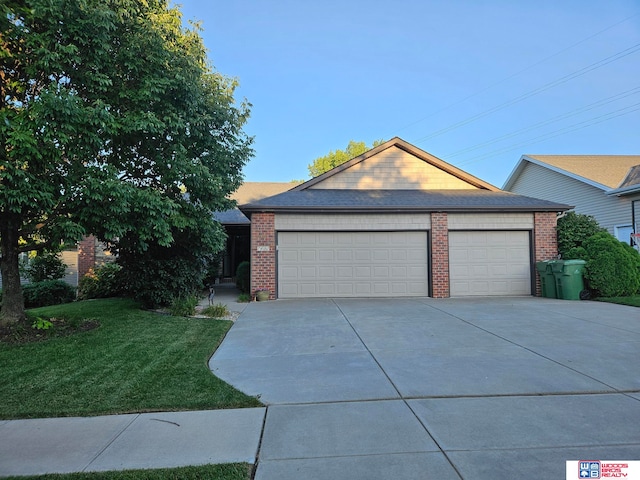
(12, 301)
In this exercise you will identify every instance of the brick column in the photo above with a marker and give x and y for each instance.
(263, 253)
(545, 240)
(86, 255)
(440, 255)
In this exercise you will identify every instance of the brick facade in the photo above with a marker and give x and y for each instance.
(439, 255)
(544, 240)
(263, 250)
(263, 253)
(86, 255)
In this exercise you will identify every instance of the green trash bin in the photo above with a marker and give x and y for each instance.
(547, 278)
(569, 279)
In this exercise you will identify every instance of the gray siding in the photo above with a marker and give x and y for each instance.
(539, 182)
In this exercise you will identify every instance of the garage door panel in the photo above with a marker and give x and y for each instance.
(326, 289)
(326, 255)
(489, 263)
(352, 263)
(344, 255)
(308, 256)
(326, 272)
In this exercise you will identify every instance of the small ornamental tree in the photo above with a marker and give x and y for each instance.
(47, 265)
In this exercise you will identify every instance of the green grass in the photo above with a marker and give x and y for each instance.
(136, 361)
(633, 300)
(231, 471)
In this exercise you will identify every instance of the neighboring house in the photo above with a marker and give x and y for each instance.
(70, 259)
(629, 190)
(604, 186)
(238, 226)
(397, 221)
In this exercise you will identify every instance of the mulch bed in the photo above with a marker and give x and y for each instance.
(24, 332)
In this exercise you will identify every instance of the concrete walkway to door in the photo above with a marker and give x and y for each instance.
(481, 388)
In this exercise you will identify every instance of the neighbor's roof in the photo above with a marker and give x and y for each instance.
(250, 192)
(630, 184)
(327, 200)
(601, 171)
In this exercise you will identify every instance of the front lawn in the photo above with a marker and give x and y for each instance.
(633, 300)
(135, 361)
(231, 471)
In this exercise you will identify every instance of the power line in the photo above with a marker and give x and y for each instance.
(592, 106)
(509, 77)
(548, 86)
(570, 128)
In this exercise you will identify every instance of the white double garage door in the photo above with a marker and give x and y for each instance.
(396, 263)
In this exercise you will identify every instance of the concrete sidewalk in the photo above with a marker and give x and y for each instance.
(123, 442)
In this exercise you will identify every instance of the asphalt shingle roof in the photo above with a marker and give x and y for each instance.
(632, 178)
(400, 200)
(250, 192)
(607, 170)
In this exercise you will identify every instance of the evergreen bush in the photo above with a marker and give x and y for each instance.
(613, 268)
(47, 292)
(243, 277)
(573, 230)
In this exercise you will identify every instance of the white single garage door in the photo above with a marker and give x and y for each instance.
(489, 263)
(352, 264)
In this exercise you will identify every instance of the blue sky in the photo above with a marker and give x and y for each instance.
(452, 77)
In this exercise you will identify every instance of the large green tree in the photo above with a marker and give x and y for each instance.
(335, 158)
(113, 123)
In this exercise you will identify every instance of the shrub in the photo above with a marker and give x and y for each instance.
(573, 230)
(184, 306)
(47, 292)
(101, 282)
(244, 298)
(613, 268)
(243, 277)
(45, 266)
(219, 310)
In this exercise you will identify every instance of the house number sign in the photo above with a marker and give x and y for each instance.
(263, 248)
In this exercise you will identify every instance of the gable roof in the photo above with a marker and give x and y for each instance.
(407, 147)
(605, 172)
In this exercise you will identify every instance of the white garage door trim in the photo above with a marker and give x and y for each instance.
(352, 264)
(489, 263)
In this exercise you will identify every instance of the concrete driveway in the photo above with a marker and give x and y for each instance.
(482, 388)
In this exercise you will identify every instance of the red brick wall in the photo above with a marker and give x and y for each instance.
(86, 255)
(439, 255)
(545, 240)
(263, 263)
